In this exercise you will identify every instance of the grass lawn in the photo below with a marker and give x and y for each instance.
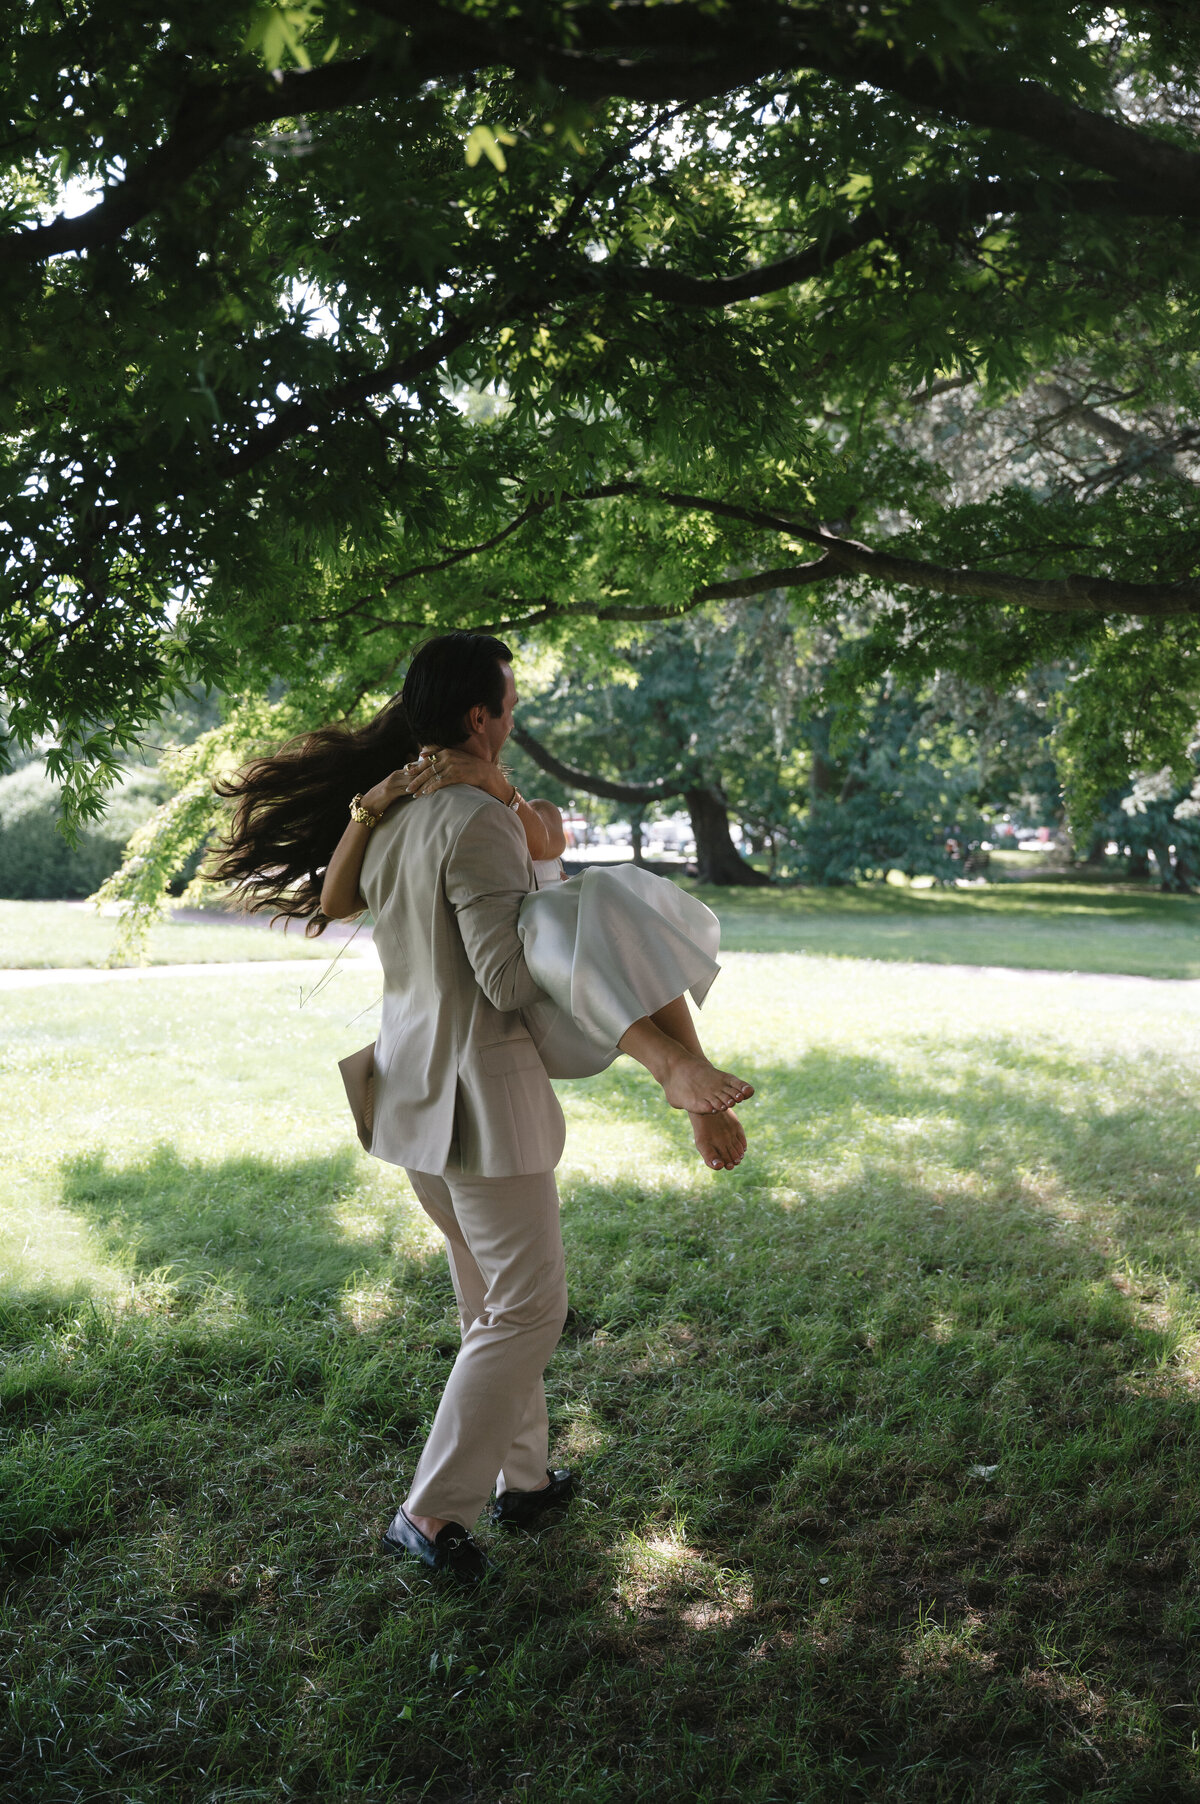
(1057, 926)
(1053, 926)
(887, 1441)
(42, 934)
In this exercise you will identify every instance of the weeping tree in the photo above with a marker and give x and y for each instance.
(700, 713)
(717, 858)
(331, 324)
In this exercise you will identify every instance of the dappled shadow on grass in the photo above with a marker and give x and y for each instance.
(888, 1353)
(234, 1330)
(264, 1232)
(881, 1457)
(992, 1112)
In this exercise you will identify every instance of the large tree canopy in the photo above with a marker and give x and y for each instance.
(327, 324)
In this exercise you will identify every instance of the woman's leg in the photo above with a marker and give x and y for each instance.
(667, 1044)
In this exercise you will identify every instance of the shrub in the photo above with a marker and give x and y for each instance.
(37, 863)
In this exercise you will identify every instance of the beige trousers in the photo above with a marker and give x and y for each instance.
(506, 1260)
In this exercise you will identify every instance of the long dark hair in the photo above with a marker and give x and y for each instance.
(291, 807)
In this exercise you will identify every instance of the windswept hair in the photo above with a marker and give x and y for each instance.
(291, 808)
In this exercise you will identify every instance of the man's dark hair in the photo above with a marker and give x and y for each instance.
(448, 677)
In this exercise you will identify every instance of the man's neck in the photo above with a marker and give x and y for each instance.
(476, 746)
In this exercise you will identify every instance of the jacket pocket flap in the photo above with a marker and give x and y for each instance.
(509, 1055)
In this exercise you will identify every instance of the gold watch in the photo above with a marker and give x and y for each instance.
(515, 800)
(359, 813)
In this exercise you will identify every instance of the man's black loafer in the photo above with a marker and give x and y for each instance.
(527, 1509)
(453, 1550)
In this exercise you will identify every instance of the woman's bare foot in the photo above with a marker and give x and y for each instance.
(720, 1139)
(690, 1082)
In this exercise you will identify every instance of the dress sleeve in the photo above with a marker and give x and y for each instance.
(488, 876)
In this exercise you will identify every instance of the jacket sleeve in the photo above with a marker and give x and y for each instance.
(488, 876)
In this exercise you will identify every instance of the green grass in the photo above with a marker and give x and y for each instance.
(1056, 926)
(46, 934)
(1053, 926)
(887, 1441)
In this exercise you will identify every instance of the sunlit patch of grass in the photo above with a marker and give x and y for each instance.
(886, 1439)
(42, 935)
(47, 1251)
(662, 1573)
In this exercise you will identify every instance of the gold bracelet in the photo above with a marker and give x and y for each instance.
(515, 800)
(359, 813)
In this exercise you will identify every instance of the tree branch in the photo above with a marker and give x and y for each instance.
(659, 54)
(981, 92)
(1083, 593)
(1135, 447)
(1076, 594)
(207, 116)
(740, 588)
(536, 507)
(946, 210)
(315, 411)
(949, 208)
(639, 793)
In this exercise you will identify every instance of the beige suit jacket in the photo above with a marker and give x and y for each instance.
(444, 878)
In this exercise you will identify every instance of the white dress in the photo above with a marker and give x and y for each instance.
(608, 947)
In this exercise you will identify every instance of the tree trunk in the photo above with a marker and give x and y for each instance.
(822, 779)
(635, 837)
(717, 858)
(1172, 872)
(1138, 868)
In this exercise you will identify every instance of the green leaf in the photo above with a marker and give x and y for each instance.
(484, 142)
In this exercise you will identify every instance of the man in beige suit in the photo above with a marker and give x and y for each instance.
(462, 1101)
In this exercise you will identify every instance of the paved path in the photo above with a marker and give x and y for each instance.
(312, 967)
(1169, 990)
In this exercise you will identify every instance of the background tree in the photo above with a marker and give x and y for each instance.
(699, 713)
(734, 706)
(325, 325)
(1156, 817)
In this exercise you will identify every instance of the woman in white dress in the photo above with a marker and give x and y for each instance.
(616, 949)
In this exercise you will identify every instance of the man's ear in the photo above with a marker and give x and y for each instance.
(476, 717)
